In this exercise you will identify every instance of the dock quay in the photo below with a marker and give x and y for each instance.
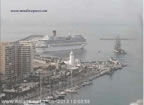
(55, 76)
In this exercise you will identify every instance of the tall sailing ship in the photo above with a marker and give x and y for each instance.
(117, 47)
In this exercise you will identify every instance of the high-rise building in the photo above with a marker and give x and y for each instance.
(7, 57)
(16, 60)
(24, 59)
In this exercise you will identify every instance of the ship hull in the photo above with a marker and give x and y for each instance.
(119, 51)
(61, 48)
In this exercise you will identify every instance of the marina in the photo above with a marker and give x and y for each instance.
(66, 52)
(65, 77)
(103, 87)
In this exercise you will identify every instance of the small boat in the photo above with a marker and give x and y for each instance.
(86, 83)
(61, 93)
(60, 97)
(50, 97)
(70, 90)
(119, 51)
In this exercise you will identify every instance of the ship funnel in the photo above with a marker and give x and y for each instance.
(54, 32)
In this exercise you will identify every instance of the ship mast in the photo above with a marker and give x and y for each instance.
(118, 43)
(117, 47)
(40, 86)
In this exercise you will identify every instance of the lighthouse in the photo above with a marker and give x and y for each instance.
(71, 58)
(72, 63)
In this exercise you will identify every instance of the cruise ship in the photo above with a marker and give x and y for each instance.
(56, 43)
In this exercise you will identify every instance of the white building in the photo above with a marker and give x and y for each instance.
(72, 63)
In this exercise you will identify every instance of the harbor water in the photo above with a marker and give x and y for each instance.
(122, 87)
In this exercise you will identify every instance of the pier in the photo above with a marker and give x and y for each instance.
(56, 78)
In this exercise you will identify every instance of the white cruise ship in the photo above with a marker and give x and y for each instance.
(57, 43)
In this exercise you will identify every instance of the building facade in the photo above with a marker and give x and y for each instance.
(16, 60)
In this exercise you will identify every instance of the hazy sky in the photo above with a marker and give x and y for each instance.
(72, 11)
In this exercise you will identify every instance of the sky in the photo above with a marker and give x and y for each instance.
(65, 12)
(72, 11)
